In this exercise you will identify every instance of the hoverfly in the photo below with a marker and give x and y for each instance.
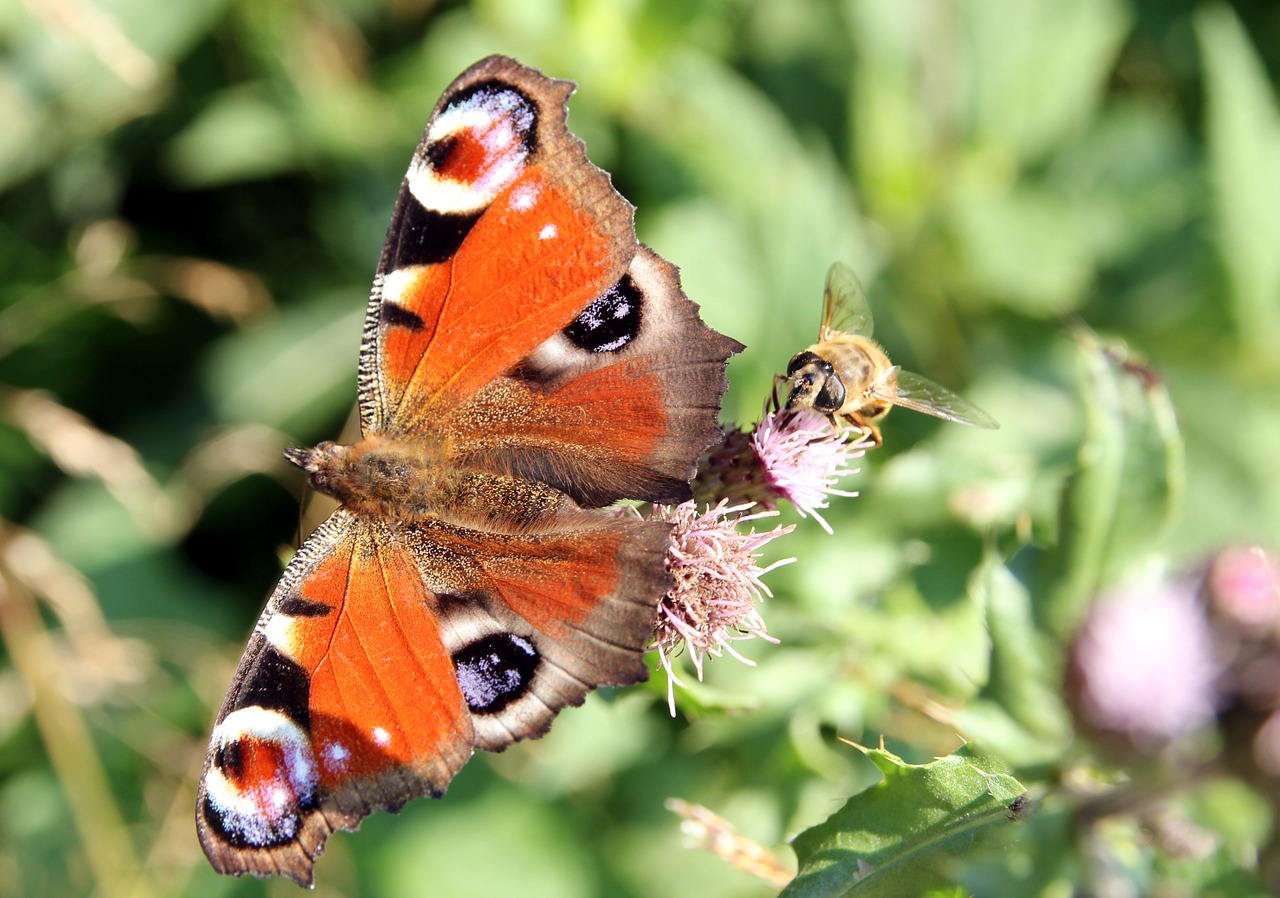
(848, 377)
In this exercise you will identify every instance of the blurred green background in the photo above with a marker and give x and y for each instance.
(192, 200)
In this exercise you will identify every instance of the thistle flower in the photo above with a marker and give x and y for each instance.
(717, 585)
(796, 456)
(1243, 586)
(1143, 665)
(804, 456)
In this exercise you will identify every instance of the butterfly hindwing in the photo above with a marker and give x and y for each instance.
(387, 654)
(619, 404)
(525, 639)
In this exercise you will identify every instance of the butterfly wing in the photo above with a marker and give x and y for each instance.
(387, 653)
(501, 234)
(514, 311)
(534, 621)
(311, 705)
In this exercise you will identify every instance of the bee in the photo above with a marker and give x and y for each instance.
(848, 377)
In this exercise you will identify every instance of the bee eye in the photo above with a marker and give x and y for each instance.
(831, 396)
(801, 359)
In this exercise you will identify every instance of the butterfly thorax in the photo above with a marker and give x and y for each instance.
(409, 481)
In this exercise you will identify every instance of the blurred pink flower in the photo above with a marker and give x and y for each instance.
(1243, 585)
(716, 588)
(1143, 665)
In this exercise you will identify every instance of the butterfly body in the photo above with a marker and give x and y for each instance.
(524, 363)
(408, 483)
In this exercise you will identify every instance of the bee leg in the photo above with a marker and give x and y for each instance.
(855, 421)
(774, 404)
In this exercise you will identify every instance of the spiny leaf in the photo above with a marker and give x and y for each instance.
(897, 837)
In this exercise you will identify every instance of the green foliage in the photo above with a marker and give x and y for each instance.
(1126, 484)
(895, 838)
(1067, 210)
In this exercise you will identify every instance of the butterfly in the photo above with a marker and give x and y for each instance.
(524, 363)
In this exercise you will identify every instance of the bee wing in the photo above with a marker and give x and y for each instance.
(923, 395)
(844, 304)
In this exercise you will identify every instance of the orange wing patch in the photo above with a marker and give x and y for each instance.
(527, 573)
(383, 691)
(529, 265)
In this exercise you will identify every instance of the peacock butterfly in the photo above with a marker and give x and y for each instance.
(524, 363)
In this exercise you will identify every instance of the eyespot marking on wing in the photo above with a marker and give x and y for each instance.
(611, 321)
(475, 148)
(495, 671)
(262, 777)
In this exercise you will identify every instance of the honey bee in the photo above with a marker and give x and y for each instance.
(848, 377)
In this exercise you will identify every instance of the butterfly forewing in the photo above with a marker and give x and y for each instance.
(314, 724)
(546, 285)
(502, 234)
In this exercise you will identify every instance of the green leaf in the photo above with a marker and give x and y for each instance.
(268, 373)
(1019, 711)
(1038, 69)
(1243, 130)
(898, 837)
(1128, 481)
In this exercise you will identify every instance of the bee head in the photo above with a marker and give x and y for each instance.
(813, 384)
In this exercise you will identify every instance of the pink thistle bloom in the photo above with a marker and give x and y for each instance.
(1144, 665)
(803, 456)
(717, 585)
(796, 456)
(1243, 585)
